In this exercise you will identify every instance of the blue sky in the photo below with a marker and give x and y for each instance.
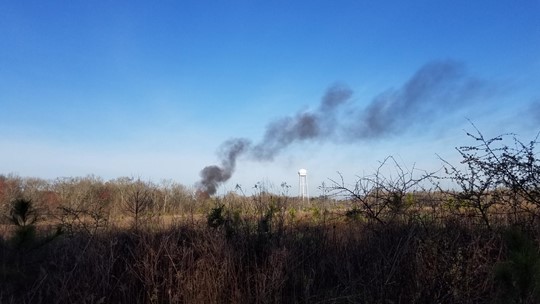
(152, 89)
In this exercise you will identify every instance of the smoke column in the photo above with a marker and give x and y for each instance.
(213, 176)
(319, 124)
(434, 90)
(279, 134)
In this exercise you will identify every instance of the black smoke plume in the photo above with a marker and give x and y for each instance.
(319, 124)
(213, 176)
(279, 134)
(434, 90)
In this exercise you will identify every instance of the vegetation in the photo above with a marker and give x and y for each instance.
(468, 235)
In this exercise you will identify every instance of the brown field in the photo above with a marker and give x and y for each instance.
(254, 249)
(381, 240)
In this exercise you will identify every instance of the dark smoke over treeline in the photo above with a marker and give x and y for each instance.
(434, 90)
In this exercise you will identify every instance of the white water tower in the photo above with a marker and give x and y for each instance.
(303, 185)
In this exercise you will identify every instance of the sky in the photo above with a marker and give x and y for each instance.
(154, 89)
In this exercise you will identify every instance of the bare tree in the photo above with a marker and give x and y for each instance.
(379, 197)
(84, 203)
(139, 201)
(498, 173)
(10, 189)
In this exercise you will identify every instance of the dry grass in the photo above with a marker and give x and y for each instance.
(391, 240)
(332, 260)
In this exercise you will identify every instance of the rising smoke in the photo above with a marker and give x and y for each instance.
(213, 176)
(434, 90)
(319, 124)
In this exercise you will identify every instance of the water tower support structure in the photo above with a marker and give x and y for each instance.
(303, 185)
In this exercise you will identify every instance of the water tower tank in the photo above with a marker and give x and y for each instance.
(302, 172)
